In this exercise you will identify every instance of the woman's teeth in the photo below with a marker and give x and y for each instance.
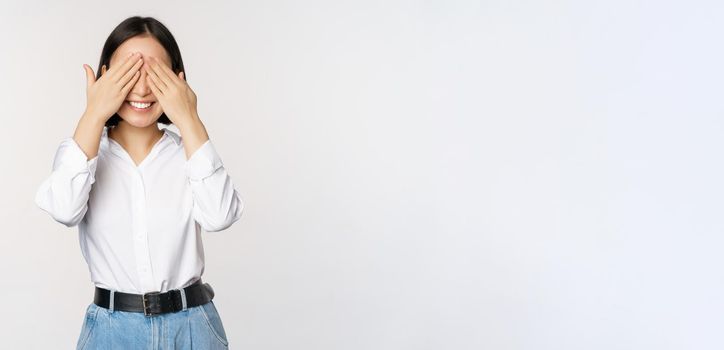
(139, 104)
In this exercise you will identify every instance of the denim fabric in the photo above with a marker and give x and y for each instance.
(197, 327)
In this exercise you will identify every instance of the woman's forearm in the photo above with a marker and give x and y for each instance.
(194, 134)
(88, 134)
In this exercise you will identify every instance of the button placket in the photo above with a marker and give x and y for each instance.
(143, 257)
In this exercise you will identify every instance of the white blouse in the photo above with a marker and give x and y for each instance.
(140, 226)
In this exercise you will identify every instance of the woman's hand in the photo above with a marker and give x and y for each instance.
(177, 99)
(107, 94)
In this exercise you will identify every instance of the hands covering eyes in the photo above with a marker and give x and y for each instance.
(106, 94)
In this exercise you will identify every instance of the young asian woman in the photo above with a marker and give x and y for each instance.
(140, 196)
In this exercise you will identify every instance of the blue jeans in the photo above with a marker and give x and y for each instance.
(197, 327)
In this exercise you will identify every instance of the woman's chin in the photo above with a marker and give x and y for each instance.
(139, 120)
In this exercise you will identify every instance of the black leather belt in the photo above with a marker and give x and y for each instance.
(155, 303)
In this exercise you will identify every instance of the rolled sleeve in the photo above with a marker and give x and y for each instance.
(64, 194)
(217, 204)
(203, 162)
(71, 158)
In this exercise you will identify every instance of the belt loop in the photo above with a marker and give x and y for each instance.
(183, 299)
(112, 299)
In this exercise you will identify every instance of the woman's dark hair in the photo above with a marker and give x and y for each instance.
(133, 26)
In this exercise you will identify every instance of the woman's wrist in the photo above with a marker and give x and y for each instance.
(93, 117)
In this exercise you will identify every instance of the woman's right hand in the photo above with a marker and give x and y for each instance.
(107, 94)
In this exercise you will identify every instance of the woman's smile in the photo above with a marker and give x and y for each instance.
(139, 106)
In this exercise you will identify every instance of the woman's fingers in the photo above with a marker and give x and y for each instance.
(166, 69)
(162, 71)
(135, 68)
(171, 74)
(117, 72)
(155, 81)
(126, 88)
(158, 93)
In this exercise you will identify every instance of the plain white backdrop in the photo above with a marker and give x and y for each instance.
(417, 174)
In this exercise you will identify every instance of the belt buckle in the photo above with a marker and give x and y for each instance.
(146, 310)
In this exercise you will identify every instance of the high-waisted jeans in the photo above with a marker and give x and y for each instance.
(197, 327)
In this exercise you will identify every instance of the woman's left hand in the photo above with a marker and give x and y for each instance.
(174, 94)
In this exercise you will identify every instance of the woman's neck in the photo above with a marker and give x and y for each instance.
(134, 139)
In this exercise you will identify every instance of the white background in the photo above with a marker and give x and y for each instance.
(417, 174)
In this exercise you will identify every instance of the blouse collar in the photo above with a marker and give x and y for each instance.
(167, 132)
